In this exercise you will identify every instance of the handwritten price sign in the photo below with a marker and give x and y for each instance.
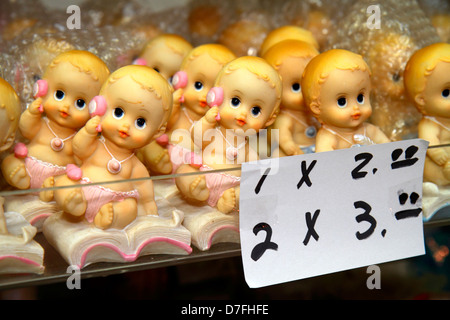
(314, 214)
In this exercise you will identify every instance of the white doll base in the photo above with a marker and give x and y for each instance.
(434, 198)
(82, 244)
(31, 208)
(207, 225)
(19, 253)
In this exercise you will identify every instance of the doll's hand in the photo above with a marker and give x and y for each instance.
(178, 97)
(36, 107)
(291, 149)
(92, 125)
(211, 115)
(439, 156)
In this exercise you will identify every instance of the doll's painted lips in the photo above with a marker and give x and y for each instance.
(123, 134)
(356, 116)
(63, 114)
(203, 103)
(241, 122)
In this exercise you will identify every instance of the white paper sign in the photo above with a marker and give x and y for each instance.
(313, 214)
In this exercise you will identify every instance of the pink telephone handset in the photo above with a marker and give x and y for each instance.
(40, 89)
(97, 107)
(215, 98)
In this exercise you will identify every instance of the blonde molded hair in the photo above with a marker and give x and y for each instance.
(218, 52)
(289, 48)
(420, 65)
(288, 32)
(320, 67)
(84, 61)
(176, 43)
(10, 102)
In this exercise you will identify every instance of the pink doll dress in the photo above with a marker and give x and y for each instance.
(97, 196)
(217, 183)
(39, 171)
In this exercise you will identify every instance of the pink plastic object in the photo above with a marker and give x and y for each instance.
(40, 88)
(73, 172)
(140, 62)
(20, 150)
(163, 140)
(214, 97)
(97, 106)
(179, 80)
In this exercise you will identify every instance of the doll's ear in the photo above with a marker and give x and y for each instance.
(140, 62)
(179, 80)
(97, 106)
(419, 99)
(40, 88)
(214, 96)
(315, 108)
(271, 120)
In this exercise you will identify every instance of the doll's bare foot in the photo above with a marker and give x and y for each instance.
(19, 177)
(162, 164)
(47, 195)
(74, 203)
(227, 202)
(105, 216)
(198, 189)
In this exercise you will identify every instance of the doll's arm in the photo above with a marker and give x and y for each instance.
(145, 189)
(287, 143)
(85, 141)
(207, 122)
(30, 120)
(429, 131)
(325, 141)
(175, 114)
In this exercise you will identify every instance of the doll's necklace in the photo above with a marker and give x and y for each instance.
(359, 139)
(114, 166)
(231, 151)
(57, 144)
(437, 122)
(310, 131)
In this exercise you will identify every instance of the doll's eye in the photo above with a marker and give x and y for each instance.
(342, 102)
(198, 86)
(118, 113)
(170, 80)
(296, 87)
(446, 93)
(360, 98)
(80, 104)
(235, 102)
(59, 95)
(396, 77)
(156, 69)
(140, 123)
(256, 111)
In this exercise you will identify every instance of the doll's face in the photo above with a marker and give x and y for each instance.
(436, 95)
(133, 115)
(248, 102)
(69, 93)
(164, 60)
(201, 72)
(344, 99)
(291, 71)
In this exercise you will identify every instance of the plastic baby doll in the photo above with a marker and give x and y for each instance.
(192, 83)
(427, 83)
(245, 99)
(336, 87)
(165, 53)
(10, 110)
(135, 102)
(288, 32)
(50, 122)
(297, 126)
